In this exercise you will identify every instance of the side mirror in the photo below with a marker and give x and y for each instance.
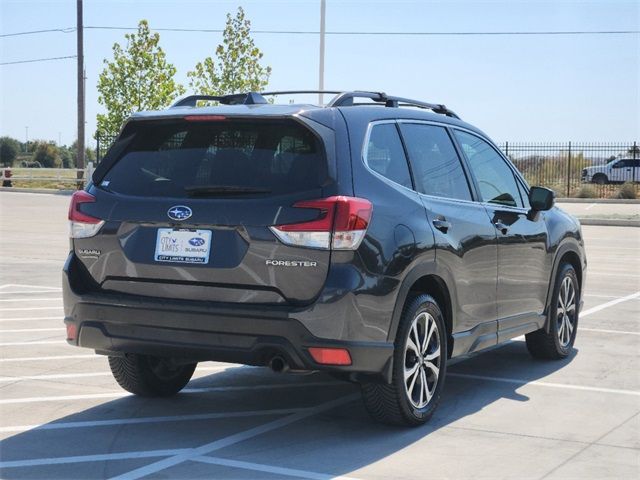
(541, 198)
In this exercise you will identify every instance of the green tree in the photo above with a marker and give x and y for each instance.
(9, 148)
(236, 67)
(47, 155)
(138, 78)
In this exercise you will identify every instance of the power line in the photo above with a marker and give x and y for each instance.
(38, 60)
(340, 33)
(33, 32)
(316, 32)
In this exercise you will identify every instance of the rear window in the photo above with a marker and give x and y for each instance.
(187, 158)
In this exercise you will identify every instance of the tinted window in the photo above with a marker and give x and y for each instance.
(436, 167)
(385, 155)
(495, 178)
(174, 159)
(628, 163)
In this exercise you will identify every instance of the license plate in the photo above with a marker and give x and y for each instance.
(183, 246)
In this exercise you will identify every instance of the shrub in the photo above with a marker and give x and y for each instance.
(47, 155)
(627, 191)
(587, 191)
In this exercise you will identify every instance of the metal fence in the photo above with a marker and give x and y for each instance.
(560, 166)
(577, 168)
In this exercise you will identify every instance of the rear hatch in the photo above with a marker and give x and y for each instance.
(187, 204)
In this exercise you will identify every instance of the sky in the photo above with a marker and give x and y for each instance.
(515, 88)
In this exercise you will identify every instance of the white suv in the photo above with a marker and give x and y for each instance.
(616, 171)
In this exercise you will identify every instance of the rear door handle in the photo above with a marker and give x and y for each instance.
(441, 224)
(502, 227)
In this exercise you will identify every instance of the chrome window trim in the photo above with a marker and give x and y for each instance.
(363, 154)
(517, 176)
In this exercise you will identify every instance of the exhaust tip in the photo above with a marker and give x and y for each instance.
(278, 364)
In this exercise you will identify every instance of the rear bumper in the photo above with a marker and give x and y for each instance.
(113, 324)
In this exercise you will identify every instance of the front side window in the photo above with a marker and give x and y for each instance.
(495, 179)
(436, 167)
(385, 155)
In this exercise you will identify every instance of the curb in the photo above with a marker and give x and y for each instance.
(597, 200)
(605, 222)
(51, 191)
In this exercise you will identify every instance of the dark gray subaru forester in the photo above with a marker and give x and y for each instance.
(374, 238)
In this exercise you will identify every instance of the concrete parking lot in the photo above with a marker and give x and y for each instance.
(503, 414)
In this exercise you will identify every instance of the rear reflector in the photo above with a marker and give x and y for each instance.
(82, 225)
(341, 224)
(72, 331)
(330, 356)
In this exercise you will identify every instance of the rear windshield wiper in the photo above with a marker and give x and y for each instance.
(222, 190)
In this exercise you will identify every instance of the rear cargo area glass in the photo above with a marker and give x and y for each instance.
(180, 158)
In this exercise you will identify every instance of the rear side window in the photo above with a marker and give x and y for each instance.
(436, 167)
(183, 158)
(384, 154)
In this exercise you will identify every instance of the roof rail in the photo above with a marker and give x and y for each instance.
(250, 98)
(345, 99)
(341, 99)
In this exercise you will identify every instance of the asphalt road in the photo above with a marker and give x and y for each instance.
(503, 415)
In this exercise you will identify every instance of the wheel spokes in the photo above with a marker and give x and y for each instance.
(422, 360)
(409, 372)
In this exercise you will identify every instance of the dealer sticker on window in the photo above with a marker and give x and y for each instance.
(183, 246)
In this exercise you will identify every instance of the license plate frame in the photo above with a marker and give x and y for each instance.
(183, 245)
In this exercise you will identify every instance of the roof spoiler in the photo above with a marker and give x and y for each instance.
(250, 98)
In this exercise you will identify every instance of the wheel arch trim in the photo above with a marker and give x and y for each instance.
(445, 282)
(569, 247)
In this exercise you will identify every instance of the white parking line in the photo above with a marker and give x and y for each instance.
(591, 206)
(27, 300)
(607, 274)
(142, 420)
(600, 330)
(60, 376)
(35, 462)
(44, 287)
(52, 357)
(26, 330)
(234, 388)
(26, 292)
(545, 384)
(260, 467)
(29, 319)
(231, 440)
(609, 304)
(24, 309)
(180, 455)
(38, 342)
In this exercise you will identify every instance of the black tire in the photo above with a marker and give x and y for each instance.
(391, 403)
(150, 376)
(556, 343)
(600, 179)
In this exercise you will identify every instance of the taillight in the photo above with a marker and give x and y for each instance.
(341, 224)
(82, 225)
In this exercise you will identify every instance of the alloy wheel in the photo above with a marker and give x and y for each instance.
(422, 360)
(566, 313)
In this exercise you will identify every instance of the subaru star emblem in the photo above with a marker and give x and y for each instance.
(179, 212)
(196, 241)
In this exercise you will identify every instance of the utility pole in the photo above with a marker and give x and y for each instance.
(26, 139)
(80, 48)
(323, 11)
